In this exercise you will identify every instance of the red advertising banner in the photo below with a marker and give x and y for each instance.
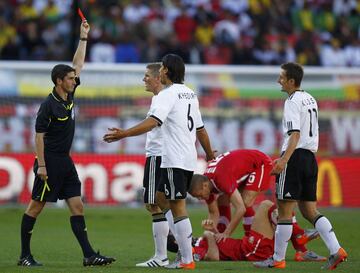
(117, 179)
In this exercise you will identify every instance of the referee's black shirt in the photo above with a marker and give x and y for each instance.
(56, 118)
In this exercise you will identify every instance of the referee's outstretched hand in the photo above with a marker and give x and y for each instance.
(115, 134)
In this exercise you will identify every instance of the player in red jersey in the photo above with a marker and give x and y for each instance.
(256, 246)
(238, 177)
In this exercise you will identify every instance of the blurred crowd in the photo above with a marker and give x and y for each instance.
(263, 32)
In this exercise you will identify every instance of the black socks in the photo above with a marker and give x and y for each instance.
(79, 229)
(27, 225)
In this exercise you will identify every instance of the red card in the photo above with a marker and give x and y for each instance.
(81, 15)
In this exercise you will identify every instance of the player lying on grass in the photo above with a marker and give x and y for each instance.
(256, 246)
(237, 178)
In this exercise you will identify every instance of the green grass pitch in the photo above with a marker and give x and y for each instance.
(125, 233)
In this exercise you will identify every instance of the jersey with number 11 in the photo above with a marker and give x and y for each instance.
(301, 115)
(177, 111)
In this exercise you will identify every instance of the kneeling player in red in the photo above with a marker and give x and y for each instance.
(237, 178)
(257, 245)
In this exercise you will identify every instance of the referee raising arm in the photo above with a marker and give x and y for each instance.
(55, 173)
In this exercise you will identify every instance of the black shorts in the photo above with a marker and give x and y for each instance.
(152, 174)
(63, 181)
(175, 183)
(299, 178)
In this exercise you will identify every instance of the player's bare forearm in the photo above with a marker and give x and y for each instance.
(143, 127)
(293, 141)
(116, 134)
(39, 148)
(280, 163)
(212, 253)
(204, 140)
(239, 211)
(79, 56)
(214, 213)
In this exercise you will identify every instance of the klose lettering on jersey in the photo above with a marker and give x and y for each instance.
(186, 96)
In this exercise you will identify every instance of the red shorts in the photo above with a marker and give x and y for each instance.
(250, 248)
(230, 250)
(256, 248)
(200, 249)
(259, 180)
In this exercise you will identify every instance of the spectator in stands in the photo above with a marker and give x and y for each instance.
(34, 45)
(135, 12)
(264, 53)
(126, 50)
(332, 54)
(227, 30)
(343, 7)
(27, 11)
(103, 51)
(7, 33)
(51, 12)
(352, 53)
(184, 27)
(285, 52)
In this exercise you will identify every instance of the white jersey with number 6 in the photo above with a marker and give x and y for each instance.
(177, 110)
(301, 114)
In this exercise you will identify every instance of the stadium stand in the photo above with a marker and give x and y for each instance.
(262, 32)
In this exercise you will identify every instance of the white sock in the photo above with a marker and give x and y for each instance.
(323, 226)
(183, 237)
(160, 233)
(170, 219)
(282, 236)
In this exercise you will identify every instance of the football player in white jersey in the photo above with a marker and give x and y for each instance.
(176, 110)
(296, 170)
(152, 171)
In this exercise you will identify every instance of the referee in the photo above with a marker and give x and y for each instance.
(55, 173)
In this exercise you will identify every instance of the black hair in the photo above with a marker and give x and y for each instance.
(176, 67)
(293, 71)
(60, 71)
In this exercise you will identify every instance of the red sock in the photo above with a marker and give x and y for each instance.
(297, 230)
(225, 218)
(248, 219)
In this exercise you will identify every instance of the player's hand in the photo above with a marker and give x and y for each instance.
(208, 224)
(211, 155)
(221, 236)
(279, 166)
(41, 172)
(114, 135)
(84, 29)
